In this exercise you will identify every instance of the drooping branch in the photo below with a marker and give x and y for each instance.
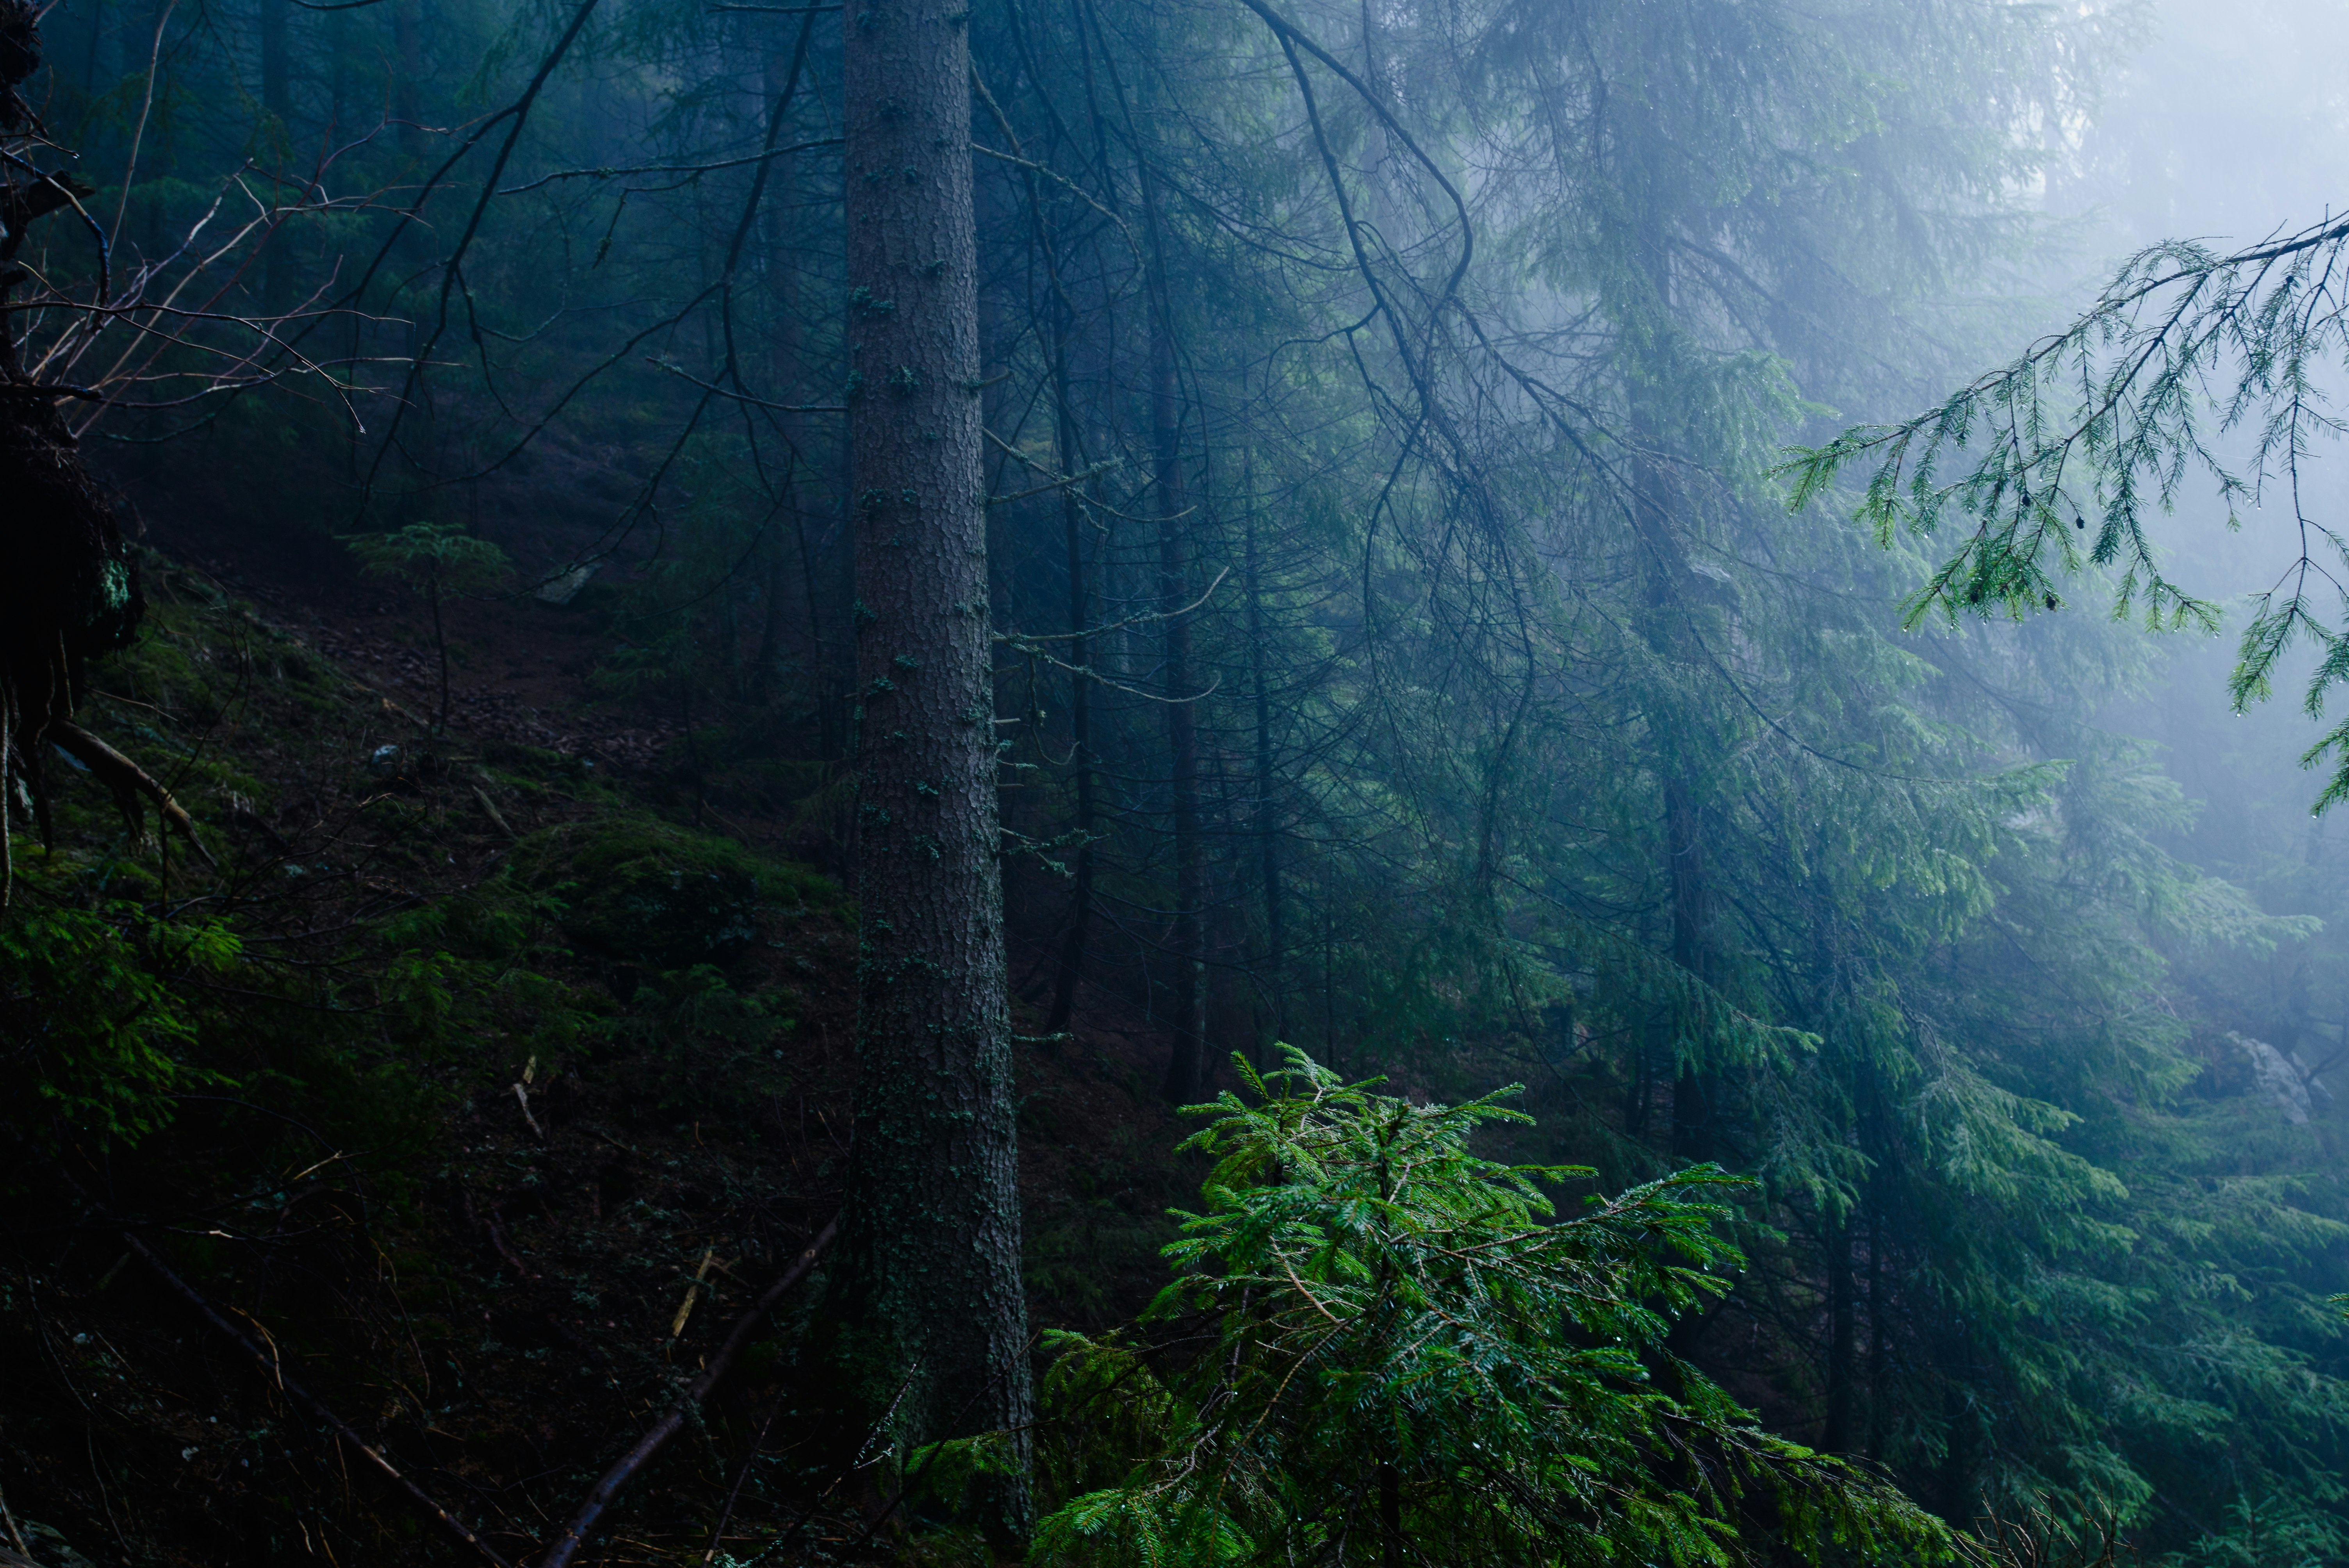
(2108, 419)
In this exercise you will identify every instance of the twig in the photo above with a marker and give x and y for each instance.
(575, 1533)
(17, 1535)
(498, 1240)
(522, 1097)
(491, 807)
(275, 1368)
(725, 1514)
(692, 1293)
(1023, 640)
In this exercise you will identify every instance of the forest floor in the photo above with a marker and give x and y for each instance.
(530, 1067)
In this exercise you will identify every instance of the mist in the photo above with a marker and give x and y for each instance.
(1142, 782)
(2224, 123)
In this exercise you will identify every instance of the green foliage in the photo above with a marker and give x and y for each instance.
(439, 559)
(1381, 1342)
(101, 1031)
(2058, 460)
(643, 891)
(703, 1046)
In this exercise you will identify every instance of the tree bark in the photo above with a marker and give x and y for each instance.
(441, 651)
(1692, 920)
(1267, 814)
(930, 1280)
(1836, 1436)
(277, 99)
(1072, 523)
(408, 42)
(1184, 1062)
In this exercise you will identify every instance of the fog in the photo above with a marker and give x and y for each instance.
(2229, 121)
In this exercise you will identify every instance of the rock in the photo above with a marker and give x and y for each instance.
(563, 586)
(2275, 1078)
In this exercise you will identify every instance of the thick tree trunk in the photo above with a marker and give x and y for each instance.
(930, 1265)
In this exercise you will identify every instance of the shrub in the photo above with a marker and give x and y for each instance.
(649, 894)
(96, 1027)
(1379, 1348)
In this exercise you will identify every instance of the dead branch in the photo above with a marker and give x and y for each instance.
(675, 168)
(1025, 641)
(127, 779)
(566, 1545)
(274, 1368)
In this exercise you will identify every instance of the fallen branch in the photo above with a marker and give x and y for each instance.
(274, 1368)
(608, 1487)
(127, 779)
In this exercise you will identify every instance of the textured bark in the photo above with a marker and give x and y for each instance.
(931, 1250)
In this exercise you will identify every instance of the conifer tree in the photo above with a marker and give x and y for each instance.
(930, 1258)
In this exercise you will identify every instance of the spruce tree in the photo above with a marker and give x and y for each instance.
(930, 1280)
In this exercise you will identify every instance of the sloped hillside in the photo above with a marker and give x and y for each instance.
(461, 1081)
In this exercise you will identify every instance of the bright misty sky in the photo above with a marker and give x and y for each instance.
(2232, 120)
(2230, 123)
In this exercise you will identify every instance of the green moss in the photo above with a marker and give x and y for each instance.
(648, 893)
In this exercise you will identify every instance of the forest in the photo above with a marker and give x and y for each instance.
(1485, 783)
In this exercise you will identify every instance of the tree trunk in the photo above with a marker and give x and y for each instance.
(789, 376)
(90, 55)
(1880, 1157)
(277, 99)
(408, 42)
(930, 1267)
(1268, 820)
(1073, 522)
(1691, 916)
(1841, 1322)
(1185, 1061)
(440, 648)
